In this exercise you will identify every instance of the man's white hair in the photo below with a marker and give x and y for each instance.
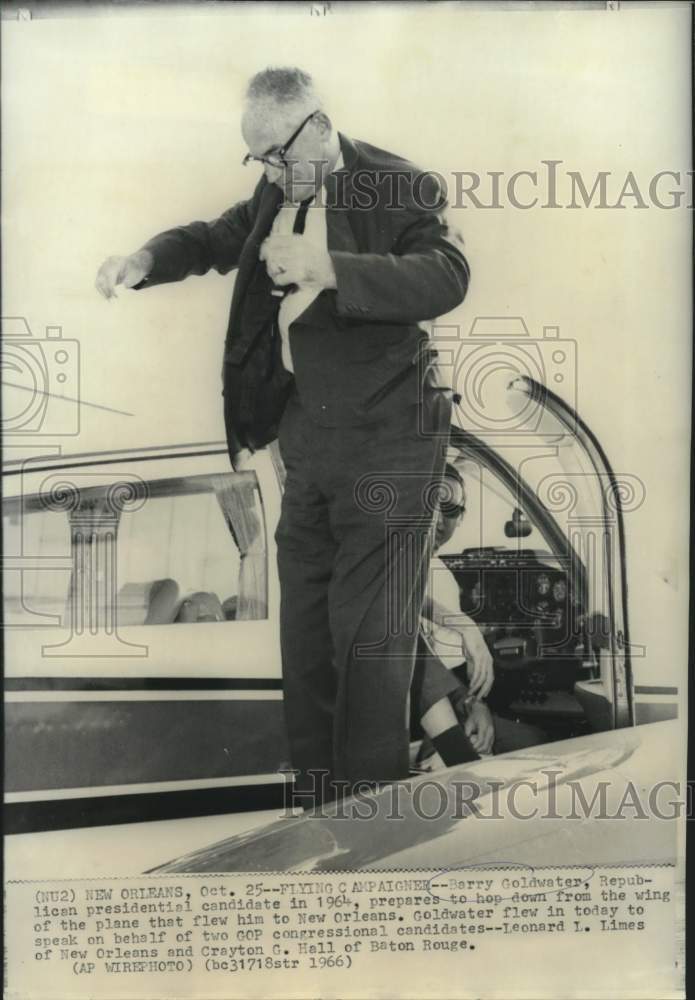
(287, 89)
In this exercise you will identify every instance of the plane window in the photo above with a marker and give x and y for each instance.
(37, 540)
(188, 550)
(490, 512)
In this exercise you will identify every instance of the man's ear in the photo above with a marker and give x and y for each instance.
(323, 122)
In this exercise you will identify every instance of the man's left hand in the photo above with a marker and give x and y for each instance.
(479, 727)
(294, 260)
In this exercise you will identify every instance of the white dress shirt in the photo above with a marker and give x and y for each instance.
(443, 590)
(294, 303)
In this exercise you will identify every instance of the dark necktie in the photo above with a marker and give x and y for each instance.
(300, 217)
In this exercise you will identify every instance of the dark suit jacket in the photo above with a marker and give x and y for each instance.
(355, 349)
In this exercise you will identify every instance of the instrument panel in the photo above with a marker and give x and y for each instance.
(508, 590)
(533, 623)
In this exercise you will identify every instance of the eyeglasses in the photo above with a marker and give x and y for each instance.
(452, 509)
(276, 157)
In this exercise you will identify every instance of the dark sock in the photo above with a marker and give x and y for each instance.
(454, 747)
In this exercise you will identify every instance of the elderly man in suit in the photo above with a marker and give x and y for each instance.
(342, 251)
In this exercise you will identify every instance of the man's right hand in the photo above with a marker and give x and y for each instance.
(126, 271)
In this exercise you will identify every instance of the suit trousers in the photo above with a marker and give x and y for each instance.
(354, 542)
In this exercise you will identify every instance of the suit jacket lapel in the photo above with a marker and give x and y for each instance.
(338, 195)
(267, 210)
